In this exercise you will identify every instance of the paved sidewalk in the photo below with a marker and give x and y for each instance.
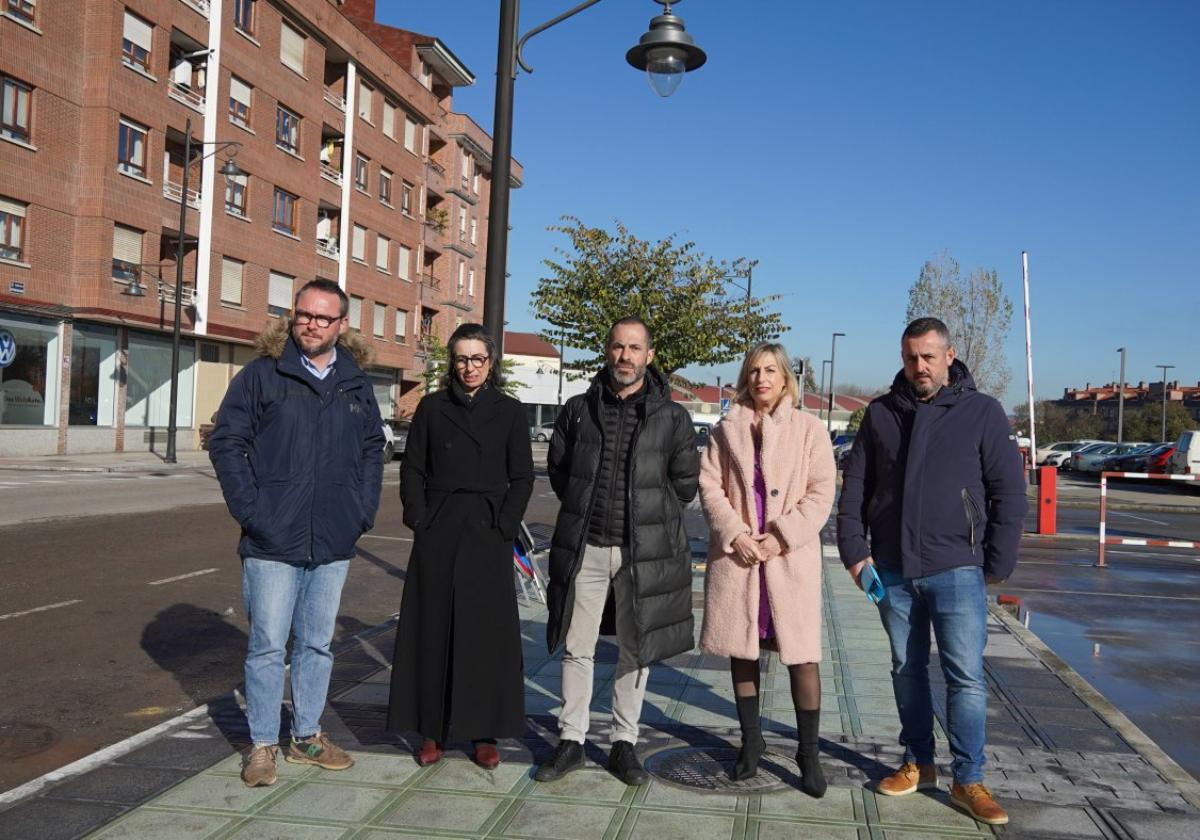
(107, 462)
(1064, 762)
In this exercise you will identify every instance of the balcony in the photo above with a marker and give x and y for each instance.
(328, 248)
(166, 294)
(330, 173)
(201, 6)
(173, 191)
(430, 290)
(194, 99)
(335, 100)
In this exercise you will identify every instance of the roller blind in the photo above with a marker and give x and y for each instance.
(239, 91)
(12, 208)
(389, 119)
(279, 291)
(231, 280)
(138, 31)
(127, 245)
(291, 47)
(355, 313)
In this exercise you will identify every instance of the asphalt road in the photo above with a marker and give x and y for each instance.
(1124, 523)
(113, 623)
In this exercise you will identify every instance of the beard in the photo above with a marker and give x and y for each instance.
(626, 378)
(925, 388)
(311, 346)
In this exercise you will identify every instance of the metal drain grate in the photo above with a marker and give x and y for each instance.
(708, 769)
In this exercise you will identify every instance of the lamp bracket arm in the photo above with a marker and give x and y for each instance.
(569, 13)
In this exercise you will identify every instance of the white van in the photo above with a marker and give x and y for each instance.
(1185, 460)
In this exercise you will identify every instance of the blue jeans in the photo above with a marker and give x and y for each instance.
(303, 599)
(954, 602)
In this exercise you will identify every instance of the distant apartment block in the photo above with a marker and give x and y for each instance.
(357, 170)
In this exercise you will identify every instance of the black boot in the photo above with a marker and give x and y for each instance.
(568, 756)
(808, 756)
(753, 745)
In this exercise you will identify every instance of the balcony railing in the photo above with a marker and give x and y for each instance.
(329, 173)
(194, 99)
(328, 248)
(200, 6)
(166, 293)
(437, 167)
(172, 191)
(335, 100)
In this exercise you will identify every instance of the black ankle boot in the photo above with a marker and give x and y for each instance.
(808, 756)
(753, 744)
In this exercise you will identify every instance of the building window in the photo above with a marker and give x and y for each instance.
(358, 244)
(462, 224)
(291, 47)
(12, 230)
(406, 193)
(355, 313)
(231, 280)
(131, 148)
(279, 293)
(389, 120)
(93, 376)
(237, 188)
(135, 45)
(287, 130)
(474, 228)
(385, 186)
(471, 282)
(15, 122)
(365, 92)
(24, 9)
(466, 167)
(362, 166)
(405, 262)
(401, 326)
(425, 77)
(239, 102)
(285, 212)
(383, 247)
(148, 385)
(377, 321)
(29, 390)
(127, 253)
(243, 15)
(410, 134)
(462, 276)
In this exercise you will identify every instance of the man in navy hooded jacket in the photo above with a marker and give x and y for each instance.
(933, 497)
(298, 449)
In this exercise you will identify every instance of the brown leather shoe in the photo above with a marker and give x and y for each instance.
(430, 753)
(909, 778)
(487, 756)
(978, 801)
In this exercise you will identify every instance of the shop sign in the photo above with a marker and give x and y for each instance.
(8, 348)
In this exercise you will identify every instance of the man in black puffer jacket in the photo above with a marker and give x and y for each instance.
(623, 463)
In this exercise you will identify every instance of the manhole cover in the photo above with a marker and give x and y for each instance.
(20, 738)
(708, 769)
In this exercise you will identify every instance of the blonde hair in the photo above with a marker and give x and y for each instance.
(791, 386)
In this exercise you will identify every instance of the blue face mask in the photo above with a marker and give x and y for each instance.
(871, 584)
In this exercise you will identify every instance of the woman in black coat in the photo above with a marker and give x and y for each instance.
(466, 477)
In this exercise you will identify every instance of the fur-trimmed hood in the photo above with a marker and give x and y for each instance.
(271, 341)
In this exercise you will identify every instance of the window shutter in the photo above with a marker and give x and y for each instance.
(410, 134)
(382, 246)
(127, 245)
(12, 208)
(389, 119)
(291, 47)
(401, 324)
(359, 243)
(356, 313)
(279, 292)
(239, 91)
(138, 31)
(380, 317)
(405, 259)
(231, 280)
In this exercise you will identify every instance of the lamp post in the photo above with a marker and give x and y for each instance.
(1121, 400)
(1165, 368)
(821, 392)
(665, 52)
(748, 265)
(832, 357)
(229, 170)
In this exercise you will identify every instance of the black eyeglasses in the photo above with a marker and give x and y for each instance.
(473, 361)
(301, 317)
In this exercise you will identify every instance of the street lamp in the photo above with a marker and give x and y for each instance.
(832, 357)
(665, 52)
(1121, 400)
(743, 268)
(230, 170)
(821, 392)
(1165, 368)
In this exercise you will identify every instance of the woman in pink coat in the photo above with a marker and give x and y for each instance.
(767, 485)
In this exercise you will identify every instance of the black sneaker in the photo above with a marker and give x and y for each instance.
(625, 765)
(567, 756)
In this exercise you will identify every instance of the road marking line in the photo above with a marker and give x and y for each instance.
(41, 609)
(1143, 518)
(381, 537)
(1106, 594)
(182, 577)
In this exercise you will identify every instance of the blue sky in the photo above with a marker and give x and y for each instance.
(842, 144)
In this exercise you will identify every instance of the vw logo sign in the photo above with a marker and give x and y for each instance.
(8, 348)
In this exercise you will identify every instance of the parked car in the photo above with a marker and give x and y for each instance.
(541, 433)
(1185, 460)
(396, 432)
(1090, 459)
(703, 427)
(1158, 462)
(1132, 461)
(1053, 454)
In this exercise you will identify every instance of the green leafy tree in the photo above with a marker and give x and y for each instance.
(697, 318)
(977, 312)
(856, 419)
(1145, 423)
(437, 359)
(1058, 423)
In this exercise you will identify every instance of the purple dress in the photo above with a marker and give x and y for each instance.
(766, 628)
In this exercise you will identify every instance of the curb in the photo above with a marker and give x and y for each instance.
(112, 468)
(1187, 785)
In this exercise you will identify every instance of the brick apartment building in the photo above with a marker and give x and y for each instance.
(357, 170)
(1104, 399)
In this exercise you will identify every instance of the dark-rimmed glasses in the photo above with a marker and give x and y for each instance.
(302, 318)
(473, 361)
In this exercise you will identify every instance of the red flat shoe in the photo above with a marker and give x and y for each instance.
(430, 753)
(487, 756)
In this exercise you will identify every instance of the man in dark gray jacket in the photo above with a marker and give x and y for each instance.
(623, 463)
(935, 479)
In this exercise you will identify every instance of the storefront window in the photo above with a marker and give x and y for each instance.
(28, 372)
(93, 376)
(382, 385)
(148, 381)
